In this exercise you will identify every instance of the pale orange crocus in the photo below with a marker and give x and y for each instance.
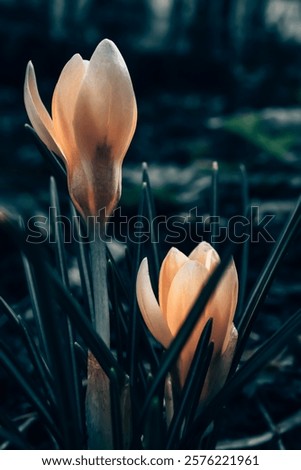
(181, 280)
(93, 120)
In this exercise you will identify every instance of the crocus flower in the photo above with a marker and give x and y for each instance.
(181, 280)
(93, 120)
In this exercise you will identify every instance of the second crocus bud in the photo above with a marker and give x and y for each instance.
(94, 117)
(181, 280)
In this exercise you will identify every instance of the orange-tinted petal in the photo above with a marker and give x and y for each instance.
(205, 254)
(106, 111)
(172, 262)
(184, 290)
(220, 367)
(222, 307)
(63, 104)
(37, 112)
(149, 307)
(95, 189)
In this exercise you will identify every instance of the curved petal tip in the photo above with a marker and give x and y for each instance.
(149, 306)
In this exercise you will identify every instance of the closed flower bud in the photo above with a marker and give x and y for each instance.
(181, 281)
(92, 122)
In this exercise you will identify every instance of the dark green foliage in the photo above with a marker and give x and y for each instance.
(60, 333)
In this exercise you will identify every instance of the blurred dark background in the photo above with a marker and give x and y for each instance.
(214, 80)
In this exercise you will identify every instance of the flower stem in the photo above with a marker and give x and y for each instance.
(98, 407)
(98, 402)
(100, 288)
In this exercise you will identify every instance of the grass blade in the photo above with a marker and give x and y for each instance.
(56, 227)
(193, 384)
(118, 316)
(53, 162)
(259, 292)
(134, 325)
(244, 261)
(83, 262)
(271, 348)
(120, 282)
(154, 428)
(214, 203)
(10, 431)
(8, 361)
(35, 302)
(93, 341)
(66, 325)
(150, 214)
(116, 411)
(272, 427)
(52, 324)
(35, 355)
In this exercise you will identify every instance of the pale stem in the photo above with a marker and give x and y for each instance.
(98, 402)
(169, 404)
(99, 282)
(98, 407)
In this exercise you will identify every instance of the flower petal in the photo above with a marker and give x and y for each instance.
(63, 104)
(172, 262)
(228, 354)
(222, 304)
(184, 290)
(220, 367)
(149, 307)
(222, 307)
(205, 254)
(96, 192)
(37, 113)
(106, 111)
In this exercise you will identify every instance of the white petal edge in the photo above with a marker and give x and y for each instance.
(172, 262)
(220, 367)
(37, 113)
(205, 254)
(63, 103)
